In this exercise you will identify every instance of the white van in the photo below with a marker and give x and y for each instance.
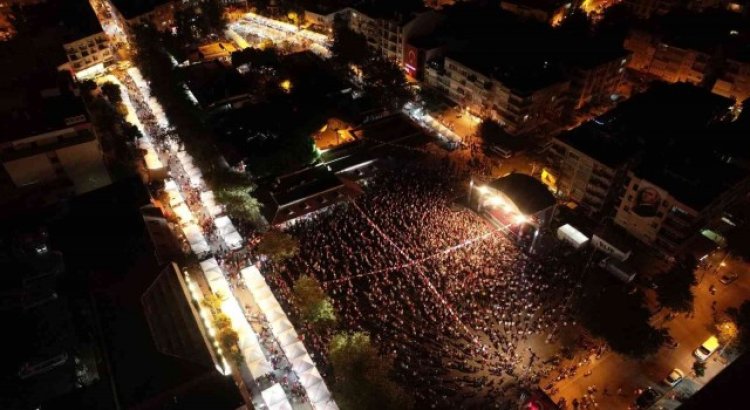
(502, 152)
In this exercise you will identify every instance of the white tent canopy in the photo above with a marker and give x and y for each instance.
(233, 240)
(209, 201)
(193, 233)
(275, 398)
(170, 185)
(255, 361)
(572, 235)
(183, 214)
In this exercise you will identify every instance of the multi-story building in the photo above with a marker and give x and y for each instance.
(654, 163)
(734, 80)
(670, 49)
(522, 97)
(589, 166)
(86, 45)
(499, 66)
(595, 77)
(49, 141)
(646, 8)
(387, 31)
(157, 13)
(552, 12)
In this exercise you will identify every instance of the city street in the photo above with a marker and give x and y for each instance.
(613, 371)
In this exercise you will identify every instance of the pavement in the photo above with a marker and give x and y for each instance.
(614, 371)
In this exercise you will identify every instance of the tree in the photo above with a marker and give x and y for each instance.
(112, 92)
(212, 302)
(278, 246)
(233, 190)
(315, 306)
(492, 133)
(386, 83)
(361, 376)
(608, 310)
(738, 242)
(213, 14)
(741, 317)
(699, 368)
(349, 47)
(674, 286)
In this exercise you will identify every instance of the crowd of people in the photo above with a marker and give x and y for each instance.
(231, 261)
(445, 294)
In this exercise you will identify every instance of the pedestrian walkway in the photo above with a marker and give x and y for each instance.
(276, 367)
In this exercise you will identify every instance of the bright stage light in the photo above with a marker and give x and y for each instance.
(520, 219)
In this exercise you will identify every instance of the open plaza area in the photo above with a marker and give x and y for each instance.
(466, 315)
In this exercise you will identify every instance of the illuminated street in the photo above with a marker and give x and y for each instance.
(375, 204)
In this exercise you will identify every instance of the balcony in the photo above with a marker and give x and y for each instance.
(596, 192)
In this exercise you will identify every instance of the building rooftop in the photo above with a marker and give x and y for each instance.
(300, 193)
(527, 193)
(324, 7)
(75, 18)
(212, 82)
(545, 5)
(595, 142)
(525, 55)
(670, 133)
(694, 179)
(390, 9)
(706, 31)
(40, 108)
(134, 8)
(521, 72)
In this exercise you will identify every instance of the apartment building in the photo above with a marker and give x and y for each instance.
(85, 43)
(522, 96)
(387, 31)
(654, 163)
(646, 9)
(48, 142)
(589, 166)
(709, 48)
(551, 12)
(157, 13)
(734, 80)
(595, 76)
(667, 62)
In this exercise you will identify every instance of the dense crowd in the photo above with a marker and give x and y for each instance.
(449, 297)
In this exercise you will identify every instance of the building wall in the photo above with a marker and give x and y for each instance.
(645, 208)
(595, 85)
(89, 51)
(582, 179)
(490, 98)
(668, 63)
(734, 81)
(646, 8)
(161, 17)
(72, 153)
(388, 36)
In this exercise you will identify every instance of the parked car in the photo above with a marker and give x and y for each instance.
(708, 348)
(728, 278)
(674, 377)
(647, 398)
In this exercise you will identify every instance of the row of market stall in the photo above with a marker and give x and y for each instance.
(256, 363)
(283, 331)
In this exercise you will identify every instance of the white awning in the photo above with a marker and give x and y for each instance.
(275, 398)
(572, 235)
